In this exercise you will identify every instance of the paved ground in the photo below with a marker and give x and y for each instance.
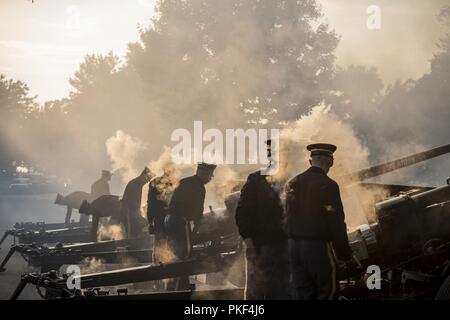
(19, 208)
(41, 208)
(10, 278)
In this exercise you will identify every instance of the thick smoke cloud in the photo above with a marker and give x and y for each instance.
(233, 64)
(405, 118)
(124, 152)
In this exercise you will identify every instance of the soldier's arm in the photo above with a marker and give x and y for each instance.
(150, 217)
(246, 208)
(199, 197)
(338, 226)
(126, 195)
(289, 205)
(68, 214)
(198, 220)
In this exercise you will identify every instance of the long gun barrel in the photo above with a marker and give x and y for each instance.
(207, 264)
(397, 164)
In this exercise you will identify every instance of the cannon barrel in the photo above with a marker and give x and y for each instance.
(205, 264)
(404, 220)
(397, 164)
(404, 225)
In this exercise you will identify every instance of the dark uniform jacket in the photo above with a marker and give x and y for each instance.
(132, 195)
(99, 188)
(259, 212)
(156, 201)
(188, 199)
(314, 210)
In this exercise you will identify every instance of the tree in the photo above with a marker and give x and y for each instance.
(94, 73)
(409, 117)
(15, 101)
(259, 58)
(355, 97)
(421, 108)
(16, 107)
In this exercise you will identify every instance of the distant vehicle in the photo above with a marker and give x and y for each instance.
(20, 185)
(33, 184)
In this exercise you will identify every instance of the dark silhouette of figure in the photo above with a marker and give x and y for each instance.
(131, 203)
(159, 193)
(316, 227)
(73, 201)
(101, 186)
(186, 206)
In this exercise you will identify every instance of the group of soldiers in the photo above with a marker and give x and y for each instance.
(294, 245)
(101, 204)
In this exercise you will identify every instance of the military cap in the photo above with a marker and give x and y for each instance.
(146, 171)
(322, 149)
(207, 166)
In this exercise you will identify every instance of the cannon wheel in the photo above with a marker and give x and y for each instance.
(444, 290)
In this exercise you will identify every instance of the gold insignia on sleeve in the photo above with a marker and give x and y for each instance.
(329, 208)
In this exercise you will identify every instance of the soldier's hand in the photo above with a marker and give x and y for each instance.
(248, 243)
(351, 264)
(356, 262)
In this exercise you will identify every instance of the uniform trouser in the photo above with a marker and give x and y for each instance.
(94, 228)
(313, 269)
(267, 272)
(179, 242)
(69, 215)
(159, 248)
(159, 242)
(84, 219)
(133, 221)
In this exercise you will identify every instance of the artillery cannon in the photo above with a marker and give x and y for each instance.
(21, 229)
(110, 251)
(25, 232)
(48, 258)
(207, 257)
(409, 241)
(79, 232)
(64, 235)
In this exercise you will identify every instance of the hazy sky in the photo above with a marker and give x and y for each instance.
(404, 45)
(44, 42)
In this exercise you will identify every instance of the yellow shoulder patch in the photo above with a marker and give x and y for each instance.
(329, 208)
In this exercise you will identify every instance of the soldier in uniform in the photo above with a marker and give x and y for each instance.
(316, 227)
(259, 217)
(73, 201)
(186, 206)
(159, 191)
(101, 186)
(104, 207)
(131, 203)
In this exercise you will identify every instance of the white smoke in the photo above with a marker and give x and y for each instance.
(125, 153)
(321, 126)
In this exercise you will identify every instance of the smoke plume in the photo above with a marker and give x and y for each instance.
(125, 153)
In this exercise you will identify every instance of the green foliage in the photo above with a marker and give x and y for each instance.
(15, 102)
(230, 63)
(270, 59)
(94, 73)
